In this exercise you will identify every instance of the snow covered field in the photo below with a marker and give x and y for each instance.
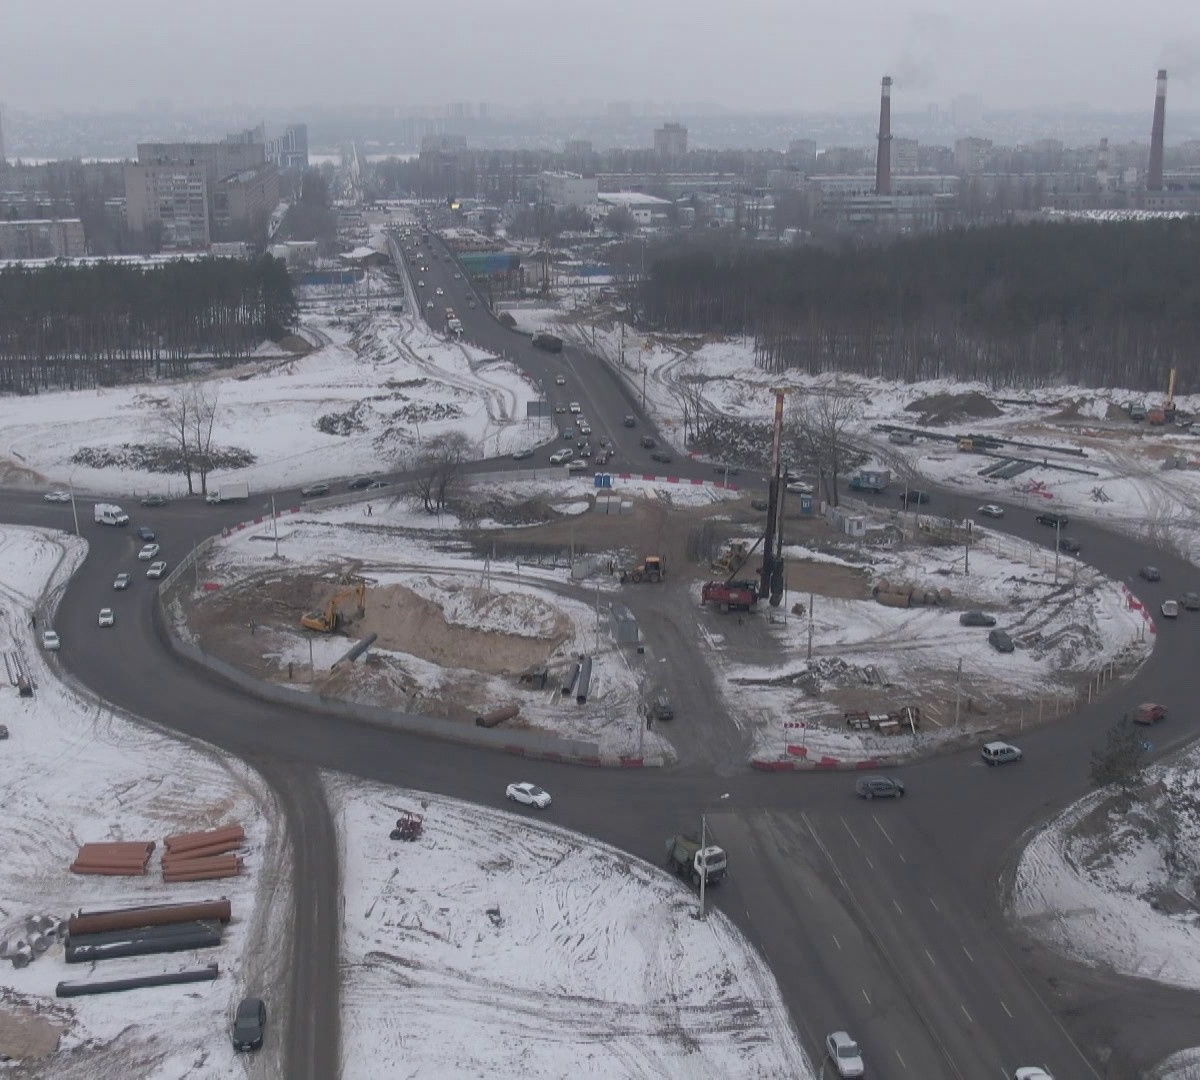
(367, 399)
(73, 771)
(496, 946)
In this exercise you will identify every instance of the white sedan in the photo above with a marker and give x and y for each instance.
(1170, 609)
(529, 794)
(50, 640)
(844, 1053)
(157, 569)
(991, 510)
(57, 496)
(148, 552)
(107, 618)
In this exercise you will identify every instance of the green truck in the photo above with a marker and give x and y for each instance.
(686, 858)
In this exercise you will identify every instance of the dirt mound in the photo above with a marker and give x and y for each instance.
(947, 408)
(294, 344)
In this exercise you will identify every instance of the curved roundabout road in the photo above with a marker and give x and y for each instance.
(885, 920)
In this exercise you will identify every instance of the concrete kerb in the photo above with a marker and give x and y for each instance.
(825, 764)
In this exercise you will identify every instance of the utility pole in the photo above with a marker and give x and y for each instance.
(74, 511)
(643, 387)
(967, 557)
(810, 624)
(703, 861)
(958, 692)
(1057, 542)
(312, 671)
(275, 522)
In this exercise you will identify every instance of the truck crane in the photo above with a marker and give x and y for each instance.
(1165, 413)
(331, 620)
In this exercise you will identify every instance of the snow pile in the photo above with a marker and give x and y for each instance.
(74, 773)
(520, 613)
(1112, 880)
(496, 946)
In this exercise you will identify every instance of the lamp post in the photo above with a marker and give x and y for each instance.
(703, 845)
(74, 511)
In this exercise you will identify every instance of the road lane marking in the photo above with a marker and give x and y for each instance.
(935, 907)
(965, 1013)
(896, 906)
(1005, 1008)
(931, 959)
(839, 945)
(870, 864)
(880, 827)
(851, 832)
(903, 1063)
(969, 956)
(864, 994)
(901, 854)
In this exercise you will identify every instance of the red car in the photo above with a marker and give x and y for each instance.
(1149, 713)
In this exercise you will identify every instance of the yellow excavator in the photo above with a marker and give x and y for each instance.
(331, 620)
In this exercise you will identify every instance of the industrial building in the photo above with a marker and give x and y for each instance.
(567, 189)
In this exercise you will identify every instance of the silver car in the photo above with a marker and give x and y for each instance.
(529, 794)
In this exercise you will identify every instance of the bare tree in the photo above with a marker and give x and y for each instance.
(203, 413)
(175, 422)
(439, 470)
(818, 433)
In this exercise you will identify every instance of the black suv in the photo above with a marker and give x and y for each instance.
(912, 495)
(878, 787)
(649, 442)
(1069, 546)
(976, 618)
(1055, 521)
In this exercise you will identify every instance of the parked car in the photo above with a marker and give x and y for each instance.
(50, 640)
(991, 510)
(154, 500)
(360, 482)
(107, 618)
(1069, 546)
(121, 581)
(630, 421)
(314, 490)
(378, 485)
(1000, 753)
(148, 552)
(878, 787)
(976, 618)
(648, 442)
(1149, 573)
(727, 470)
(522, 455)
(529, 794)
(57, 496)
(1191, 601)
(914, 495)
(249, 1024)
(146, 533)
(1032, 1072)
(1055, 521)
(1149, 712)
(662, 709)
(156, 569)
(1170, 609)
(561, 456)
(1000, 641)
(662, 457)
(843, 1051)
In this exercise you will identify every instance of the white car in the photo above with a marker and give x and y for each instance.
(50, 640)
(148, 552)
(844, 1053)
(440, 291)
(57, 496)
(457, 276)
(1170, 609)
(585, 428)
(991, 510)
(560, 456)
(1000, 753)
(157, 569)
(574, 407)
(121, 581)
(559, 380)
(529, 794)
(107, 618)
(420, 284)
(1032, 1072)
(577, 466)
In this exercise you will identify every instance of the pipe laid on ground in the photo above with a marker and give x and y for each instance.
(109, 986)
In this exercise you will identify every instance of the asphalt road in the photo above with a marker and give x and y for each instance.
(882, 918)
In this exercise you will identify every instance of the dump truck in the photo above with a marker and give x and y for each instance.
(650, 569)
(686, 858)
(230, 491)
(730, 595)
(871, 480)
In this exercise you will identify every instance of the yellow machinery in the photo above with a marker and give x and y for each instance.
(732, 557)
(650, 570)
(331, 619)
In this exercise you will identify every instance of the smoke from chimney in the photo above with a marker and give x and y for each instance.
(883, 157)
(1154, 175)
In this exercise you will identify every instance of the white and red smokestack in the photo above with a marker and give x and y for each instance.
(883, 157)
(1154, 176)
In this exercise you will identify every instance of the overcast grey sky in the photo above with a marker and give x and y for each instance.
(102, 54)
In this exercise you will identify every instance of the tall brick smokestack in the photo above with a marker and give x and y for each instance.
(1154, 176)
(883, 157)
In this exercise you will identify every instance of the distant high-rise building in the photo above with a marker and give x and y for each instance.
(290, 150)
(170, 199)
(1, 132)
(802, 154)
(670, 141)
(966, 112)
(577, 148)
(933, 113)
(483, 110)
(971, 155)
(905, 157)
(42, 239)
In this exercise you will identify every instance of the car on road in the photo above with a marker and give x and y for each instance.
(378, 485)
(574, 407)
(843, 1051)
(1032, 1072)
(529, 794)
(561, 456)
(630, 421)
(420, 284)
(560, 380)
(1069, 546)
(107, 618)
(1149, 573)
(1170, 609)
(249, 1024)
(522, 455)
(661, 456)
(1000, 753)
(878, 787)
(1191, 601)
(568, 433)
(914, 495)
(156, 569)
(1149, 712)
(148, 552)
(50, 640)
(1001, 641)
(602, 457)
(57, 496)
(1055, 521)
(145, 533)
(428, 305)
(439, 291)
(727, 470)
(976, 618)
(358, 483)
(648, 442)
(471, 304)
(457, 276)
(585, 450)
(313, 490)
(154, 500)
(560, 408)
(577, 466)
(991, 510)
(585, 428)
(121, 581)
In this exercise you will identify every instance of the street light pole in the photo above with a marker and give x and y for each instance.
(74, 511)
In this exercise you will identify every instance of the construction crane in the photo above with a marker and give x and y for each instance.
(1165, 414)
(331, 619)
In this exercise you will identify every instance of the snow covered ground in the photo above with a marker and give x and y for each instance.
(73, 771)
(497, 946)
(482, 625)
(378, 388)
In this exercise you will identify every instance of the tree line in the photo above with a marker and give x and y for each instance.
(1114, 304)
(76, 327)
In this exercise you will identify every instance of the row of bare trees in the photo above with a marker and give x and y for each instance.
(185, 422)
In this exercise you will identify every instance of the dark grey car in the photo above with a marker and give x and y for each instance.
(249, 1024)
(976, 618)
(1001, 642)
(878, 787)
(1149, 573)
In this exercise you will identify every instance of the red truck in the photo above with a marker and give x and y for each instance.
(730, 595)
